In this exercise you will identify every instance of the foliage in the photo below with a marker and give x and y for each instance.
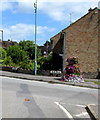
(31, 66)
(23, 55)
(2, 53)
(52, 62)
(45, 62)
(25, 65)
(28, 66)
(7, 61)
(17, 54)
(41, 60)
(47, 43)
(1, 60)
(29, 47)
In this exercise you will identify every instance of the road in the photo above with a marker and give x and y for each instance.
(33, 99)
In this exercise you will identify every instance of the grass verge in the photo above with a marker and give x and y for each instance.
(96, 82)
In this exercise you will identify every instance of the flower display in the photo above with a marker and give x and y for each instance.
(72, 71)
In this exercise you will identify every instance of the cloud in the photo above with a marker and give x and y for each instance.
(5, 6)
(80, 9)
(57, 11)
(61, 12)
(25, 31)
(99, 4)
(42, 1)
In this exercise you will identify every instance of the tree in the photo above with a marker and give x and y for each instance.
(26, 65)
(2, 53)
(7, 61)
(29, 47)
(45, 62)
(17, 54)
(52, 62)
(47, 43)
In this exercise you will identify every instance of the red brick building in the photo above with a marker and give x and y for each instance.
(81, 39)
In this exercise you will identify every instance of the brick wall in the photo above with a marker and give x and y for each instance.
(82, 41)
(55, 39)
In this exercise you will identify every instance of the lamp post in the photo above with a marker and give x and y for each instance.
(35, 63)
(2, 34)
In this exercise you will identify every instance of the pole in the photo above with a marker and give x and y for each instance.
(64, 47)
(2, 34)
(71, 18)
(35, 62)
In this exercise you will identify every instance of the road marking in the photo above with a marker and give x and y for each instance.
(74, 104)
(81, 106)
(64, 110)
(82, 114)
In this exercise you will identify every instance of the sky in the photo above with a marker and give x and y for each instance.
(17, 17)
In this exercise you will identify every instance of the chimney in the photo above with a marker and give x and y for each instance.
(90, 10)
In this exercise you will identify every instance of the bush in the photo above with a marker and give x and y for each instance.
(29, 47)
(2, 53)
(26, 65)
(17, 54)
(45, 62)
(7, 61)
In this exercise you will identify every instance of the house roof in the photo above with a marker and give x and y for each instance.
(5, 44)
(90, 10)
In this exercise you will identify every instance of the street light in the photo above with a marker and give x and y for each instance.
(35, 63)
(2, 34)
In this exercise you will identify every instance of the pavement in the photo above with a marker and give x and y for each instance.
(92, 109)
(53, 80)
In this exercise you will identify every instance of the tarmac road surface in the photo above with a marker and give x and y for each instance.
(33, 99)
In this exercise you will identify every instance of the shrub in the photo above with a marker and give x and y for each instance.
(17, 54)
(7, 61)
(2, 53)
